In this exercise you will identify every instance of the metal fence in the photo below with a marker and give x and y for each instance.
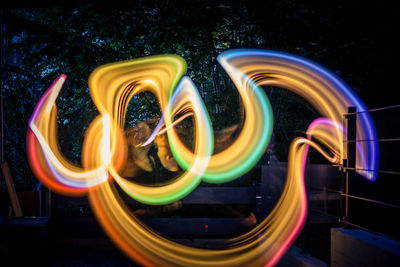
(373, 206)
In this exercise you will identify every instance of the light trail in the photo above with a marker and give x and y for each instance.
(104, 150)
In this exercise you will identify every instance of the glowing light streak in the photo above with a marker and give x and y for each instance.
(104, 150)
(329, 95)
(45, 132)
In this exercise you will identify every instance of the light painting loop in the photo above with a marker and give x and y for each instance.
(104, 151)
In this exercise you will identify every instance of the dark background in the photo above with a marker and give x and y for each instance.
(357, 40)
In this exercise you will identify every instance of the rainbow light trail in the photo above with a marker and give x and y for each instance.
(104, 150)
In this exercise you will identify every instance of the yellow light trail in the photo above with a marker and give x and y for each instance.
(104, 151)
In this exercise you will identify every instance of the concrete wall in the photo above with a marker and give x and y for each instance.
(356, 247)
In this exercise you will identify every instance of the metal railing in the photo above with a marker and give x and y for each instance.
(360, 203)
(372, 206)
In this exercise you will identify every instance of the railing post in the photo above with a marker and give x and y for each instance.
(350, 145)
(343, 189)
(351, 136)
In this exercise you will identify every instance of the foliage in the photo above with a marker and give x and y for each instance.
(75, 40)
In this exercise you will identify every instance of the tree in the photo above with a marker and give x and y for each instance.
(75, 40)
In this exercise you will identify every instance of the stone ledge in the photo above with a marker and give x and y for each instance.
(356, 247)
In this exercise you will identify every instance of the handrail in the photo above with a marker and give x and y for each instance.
(374, 110)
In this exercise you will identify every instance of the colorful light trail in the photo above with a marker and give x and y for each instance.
(104, 150)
